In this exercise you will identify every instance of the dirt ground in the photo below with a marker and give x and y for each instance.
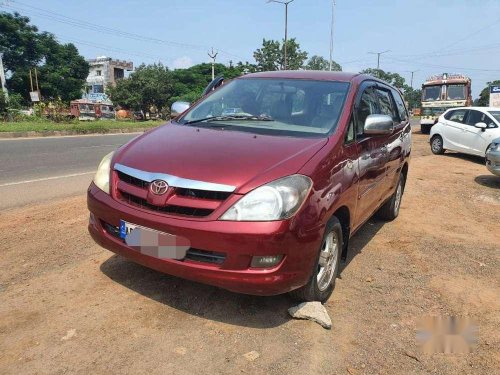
(68, 306)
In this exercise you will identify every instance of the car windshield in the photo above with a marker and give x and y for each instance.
(272, 106)
(495, 114)
(456, 92)
(431, 93)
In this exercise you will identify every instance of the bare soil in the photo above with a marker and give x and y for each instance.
(68, 306)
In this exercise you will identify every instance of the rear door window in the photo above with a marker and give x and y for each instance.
(403, 116)
(474, 117)
(458, 115)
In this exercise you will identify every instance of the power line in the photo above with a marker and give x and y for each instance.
(103, 29)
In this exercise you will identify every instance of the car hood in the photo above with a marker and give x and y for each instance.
(240, 159)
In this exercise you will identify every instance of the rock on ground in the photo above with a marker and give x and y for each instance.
(314, 311)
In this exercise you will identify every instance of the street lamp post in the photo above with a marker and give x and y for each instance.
(412, 72)
(378, 56)
(286, 24)
(331, 34)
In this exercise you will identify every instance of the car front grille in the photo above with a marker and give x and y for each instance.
(180, 202)
(194, 255)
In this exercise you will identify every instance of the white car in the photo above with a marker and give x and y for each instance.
(470, 130)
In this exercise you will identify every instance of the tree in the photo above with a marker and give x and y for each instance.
(484, 96)
(393, 79)
(147, 86)
(320, 63)
(62, 71)
(271, 56)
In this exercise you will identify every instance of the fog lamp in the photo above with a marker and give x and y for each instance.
(266, 261)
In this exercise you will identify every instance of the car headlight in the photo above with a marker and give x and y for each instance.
(495, 147)
(101, 178)
(276, 200)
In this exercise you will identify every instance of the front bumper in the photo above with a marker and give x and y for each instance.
(493, 162)
(239, 241)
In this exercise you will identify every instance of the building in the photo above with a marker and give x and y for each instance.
(104, 71)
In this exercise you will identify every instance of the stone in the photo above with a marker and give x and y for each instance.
(314, 311)
(251, 356)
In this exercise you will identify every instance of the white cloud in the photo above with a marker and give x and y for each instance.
(182, 62)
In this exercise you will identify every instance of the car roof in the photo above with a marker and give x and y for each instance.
(482, 109)
(318, 75)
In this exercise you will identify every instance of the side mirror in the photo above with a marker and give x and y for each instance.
(481, 125)
(178, 108)
(378, 125)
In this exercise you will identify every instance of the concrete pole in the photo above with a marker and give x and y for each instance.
(2, 79)
(213, 55)
(331, 35)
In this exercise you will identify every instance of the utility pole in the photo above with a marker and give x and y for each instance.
(331, 34)
(213, 55)
(2, 79)
(378, 56)
(412, 72)
(285, 3)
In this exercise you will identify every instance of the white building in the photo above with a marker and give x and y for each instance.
(104, 71)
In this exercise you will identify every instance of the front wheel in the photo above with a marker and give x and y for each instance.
(390, 209)
(326, 268)
(437, 145)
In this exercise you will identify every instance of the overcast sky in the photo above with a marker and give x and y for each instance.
(430, 36)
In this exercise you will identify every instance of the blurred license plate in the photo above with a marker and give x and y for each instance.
(152, 242)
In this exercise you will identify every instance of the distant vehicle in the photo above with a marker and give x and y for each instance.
(470, 130)
(493, 157)
(440, 93)
(417, 112)
(266, 206)
(86, 110)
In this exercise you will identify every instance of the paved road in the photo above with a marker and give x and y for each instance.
(38, 169)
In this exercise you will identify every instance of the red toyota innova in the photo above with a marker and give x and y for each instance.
(258, 186)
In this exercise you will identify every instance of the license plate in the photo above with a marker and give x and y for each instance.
(126, 228)
(152, 242)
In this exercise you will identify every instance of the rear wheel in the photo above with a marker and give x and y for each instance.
(326, 268)
(437, 145)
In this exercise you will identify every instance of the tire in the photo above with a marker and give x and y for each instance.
(437, 145)
(425, 129)
(326, 268)
(390, 209)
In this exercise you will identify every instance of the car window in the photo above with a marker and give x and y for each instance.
(458, 115)
(368, 105)
(385, 103)
(448, 115)
(349, 137)
(400, 105)
(496, 115)
(473, 118)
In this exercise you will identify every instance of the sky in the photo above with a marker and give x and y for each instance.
(425, 36)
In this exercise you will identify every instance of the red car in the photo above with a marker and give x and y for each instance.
(258, 187)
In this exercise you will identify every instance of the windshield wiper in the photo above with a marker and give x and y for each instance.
(232, 117)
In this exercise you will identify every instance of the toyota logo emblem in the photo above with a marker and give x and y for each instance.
(158, 187)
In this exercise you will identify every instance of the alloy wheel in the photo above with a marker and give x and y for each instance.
(328, 259)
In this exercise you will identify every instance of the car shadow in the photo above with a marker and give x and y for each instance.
(201, 300)
(213, 303)
(472, 158)
(360, 239)
(490, 181)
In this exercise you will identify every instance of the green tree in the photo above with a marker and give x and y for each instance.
(393, 79)
(271, 56)
(62, 71)
(484, 96)
(320, 63)
(147, 86)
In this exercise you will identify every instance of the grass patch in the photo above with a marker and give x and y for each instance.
(82, 127)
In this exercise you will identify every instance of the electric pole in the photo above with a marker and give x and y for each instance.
(213, 55)
(412, 72)
(331, 34)
(285, 3)
(378, 56)
(2, 79)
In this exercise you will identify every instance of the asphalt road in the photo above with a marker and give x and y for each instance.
(39, 169)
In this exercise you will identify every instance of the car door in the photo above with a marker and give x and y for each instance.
(476, 140)
(453, 132)
(372, 155)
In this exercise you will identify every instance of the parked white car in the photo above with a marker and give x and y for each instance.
(470, 130)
